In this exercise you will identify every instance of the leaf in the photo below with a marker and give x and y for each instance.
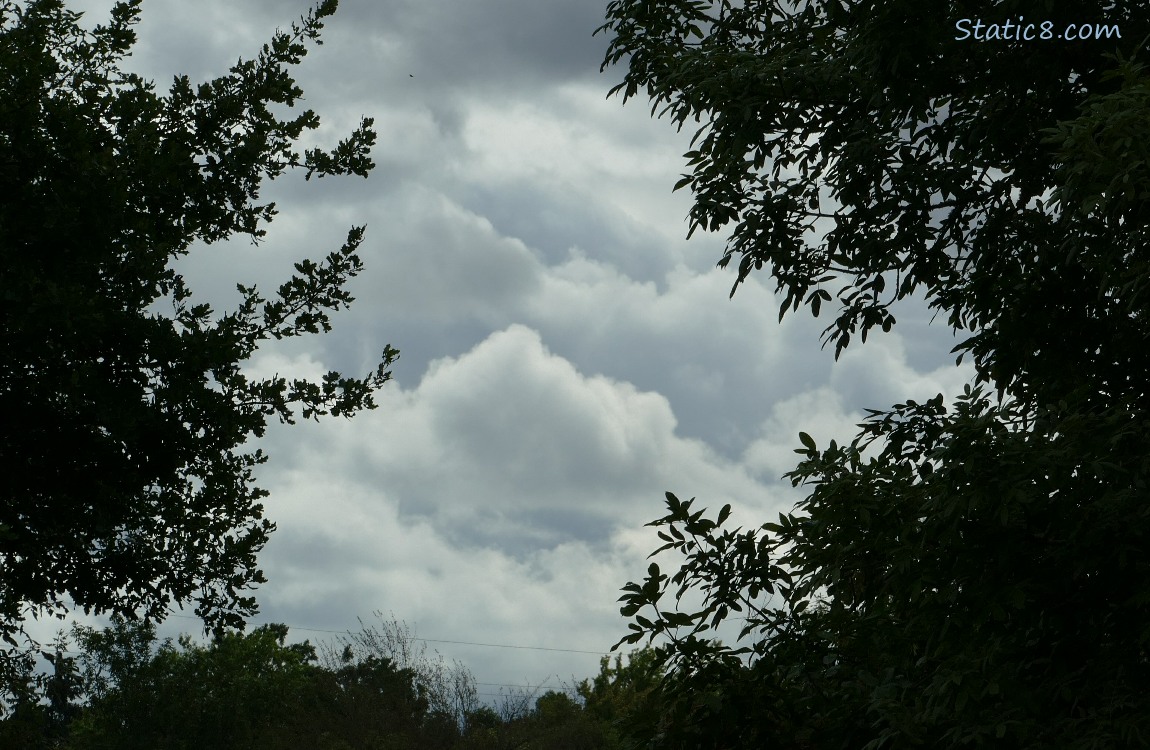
(139, 398)
(957, 547)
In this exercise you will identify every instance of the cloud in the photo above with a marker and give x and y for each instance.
(874, 375)
(819, 412)
(880, 372)
(510, 446)
(506, 485)
(498, 46)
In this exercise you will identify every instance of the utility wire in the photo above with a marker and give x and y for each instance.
(434, 640)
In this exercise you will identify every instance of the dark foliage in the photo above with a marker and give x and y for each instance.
(124, 689)
(976, 578)
(127, 482)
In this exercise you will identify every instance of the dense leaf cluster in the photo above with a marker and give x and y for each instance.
(977, 576)
(127, 482)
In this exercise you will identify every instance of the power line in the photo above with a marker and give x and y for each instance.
(435, 640)
(504, 645)
(505, 684)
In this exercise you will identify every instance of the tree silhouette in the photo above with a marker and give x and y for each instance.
(976, 577)
(123, 442)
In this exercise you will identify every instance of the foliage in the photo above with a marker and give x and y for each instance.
(448, 689)
(128, 486)
(624, 696)
(40, 706)
(970, 585)
(250, 690)
(864, 143)
(371, 702)
(555, 721)
(977, 578)
(241, 690)
(125, 689)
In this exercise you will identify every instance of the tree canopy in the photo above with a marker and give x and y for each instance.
(120, 687)
(865, 143)
(977, 577)
(128, 482)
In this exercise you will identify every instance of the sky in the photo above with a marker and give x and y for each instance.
(567, 355)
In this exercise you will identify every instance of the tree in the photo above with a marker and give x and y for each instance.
(977, 577)
(251, 690)
(623, 696)
(241, 690)
(483, 729)
(553, 720)
(126, 689)
(841, 147)
(40, 707)
(127, 480)
(449, 690)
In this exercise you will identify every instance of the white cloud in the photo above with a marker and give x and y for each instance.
(878, 372)
(818, 412)
(507, 485)
(509, 444)
(874, 375)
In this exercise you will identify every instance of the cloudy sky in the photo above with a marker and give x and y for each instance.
(567, 355)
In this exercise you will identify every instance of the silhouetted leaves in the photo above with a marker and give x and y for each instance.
(127, 478)
(958, 574)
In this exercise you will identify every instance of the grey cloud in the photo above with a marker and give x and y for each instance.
(496, 45)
